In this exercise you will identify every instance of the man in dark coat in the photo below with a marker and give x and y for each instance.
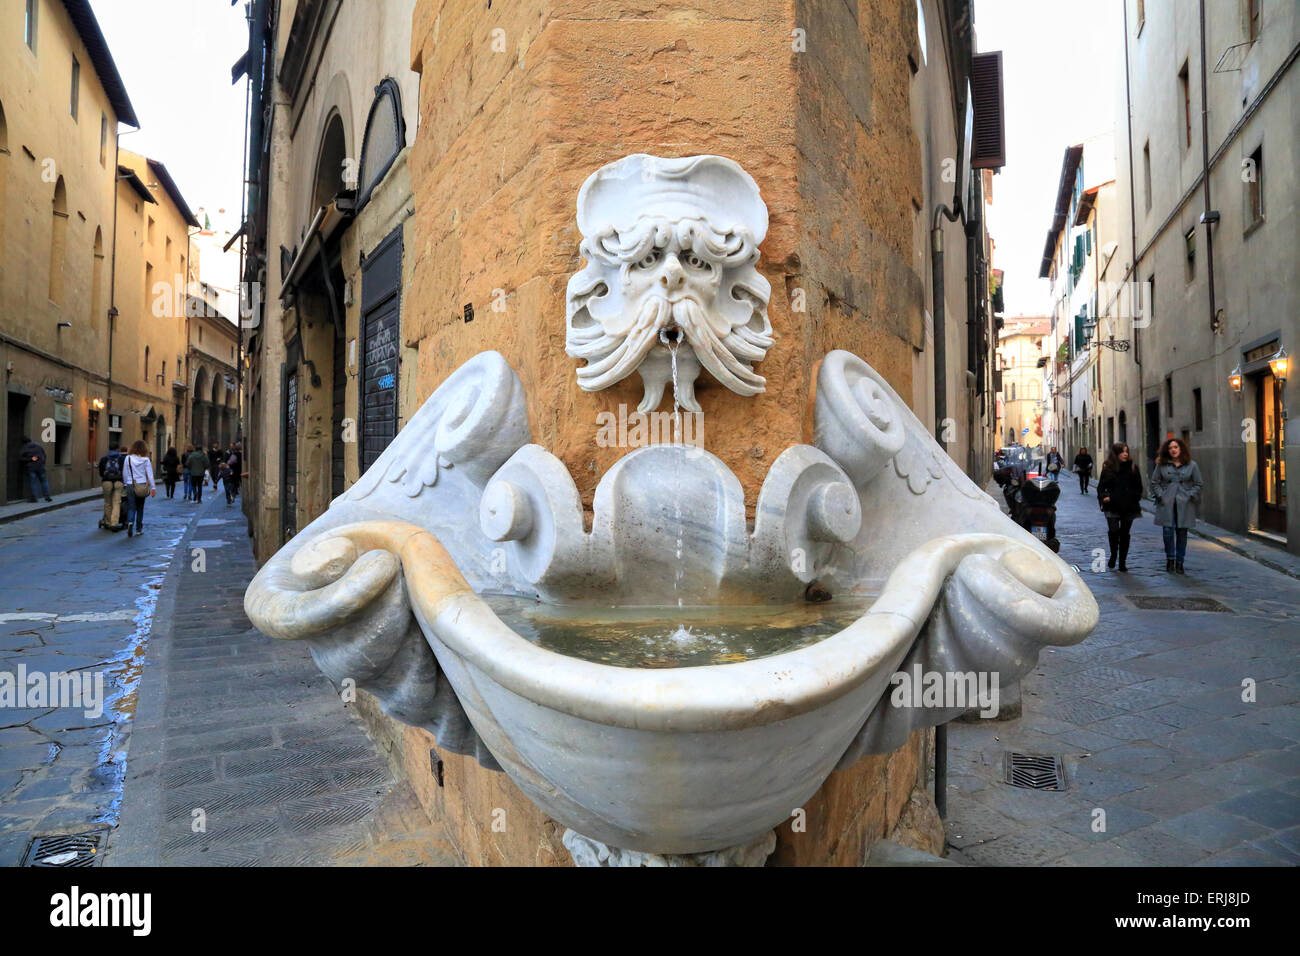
(32, 456)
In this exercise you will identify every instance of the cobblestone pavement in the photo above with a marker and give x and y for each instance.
(206, 714)
(78, 600)
(1149, 717)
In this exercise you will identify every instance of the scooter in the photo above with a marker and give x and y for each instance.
(1036, 511)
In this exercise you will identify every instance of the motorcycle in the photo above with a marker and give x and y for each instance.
(1031, 502)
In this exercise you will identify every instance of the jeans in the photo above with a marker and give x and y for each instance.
(1175, 539)
(135, 509)
(186, 477)
(1054, 475)
(1083, 482)
(196, 487)
(39, 484)
(170, 485)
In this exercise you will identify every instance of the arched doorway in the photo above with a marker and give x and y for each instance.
(198, 409)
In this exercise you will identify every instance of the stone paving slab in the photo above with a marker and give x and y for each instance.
(244, 734)
(1149, 718)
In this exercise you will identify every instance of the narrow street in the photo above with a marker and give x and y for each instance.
(1152, 716)
(75, 599)
(201, 712)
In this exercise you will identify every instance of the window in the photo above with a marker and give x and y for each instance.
(146, 363)
(148, 304)
(1254, 174)
(148, 233)
(29, 24)
(1185, 88)
(163, 376)
(1012, 393)
(385, 136)
(1169, 396)
(58, 240)
(76, 87)
(97, 278)
(1252, 19)
(1146, 173)
(1151, 297)
(167, 252)
(1196, 407)
(103, 139)
(1189, 250)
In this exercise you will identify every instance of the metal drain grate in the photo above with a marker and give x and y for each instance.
(77, 850)
(1035, 771)
(1150, 603)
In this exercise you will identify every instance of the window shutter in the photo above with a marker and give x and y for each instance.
(988, 134)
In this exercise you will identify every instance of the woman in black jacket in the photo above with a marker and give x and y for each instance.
(1083, 467)
(171, 469)
(1119, 492)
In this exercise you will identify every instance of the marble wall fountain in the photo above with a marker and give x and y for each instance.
(650, 672)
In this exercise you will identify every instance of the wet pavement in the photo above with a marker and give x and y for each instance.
(1177, 728)
(79, 601)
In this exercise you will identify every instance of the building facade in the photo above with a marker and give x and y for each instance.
(154, 267)
(1208, 186)
(1087, 387)
(61, 100)
(1021, 343)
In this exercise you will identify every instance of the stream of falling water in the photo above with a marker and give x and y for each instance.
(677, 497)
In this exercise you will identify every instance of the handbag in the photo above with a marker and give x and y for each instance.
(138, 488)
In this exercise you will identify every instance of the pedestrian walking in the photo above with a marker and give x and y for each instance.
(171, 467)
(1054, 464)
(1176, 487)
(227, 480)
(185, 472)
(110, 476)
(1119, 493)
(138, 477)
(197, 465)
(235, 458)
(1083, 468)
(32, 457)
(214, 462)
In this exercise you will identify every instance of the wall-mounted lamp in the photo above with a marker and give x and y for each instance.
(1280, 363)
(1234, 379)
(65, 325)
(97, 404)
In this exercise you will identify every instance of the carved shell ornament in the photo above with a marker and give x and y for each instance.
(671, 247)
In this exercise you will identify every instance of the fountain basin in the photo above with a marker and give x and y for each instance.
(677, 760)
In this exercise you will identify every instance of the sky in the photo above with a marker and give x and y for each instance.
(1062, 68)
(175, 58)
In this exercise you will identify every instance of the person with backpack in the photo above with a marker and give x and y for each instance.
(197, 466)
(1119, 493)
(1083, 468)
(171, 469)
(32, 456)
(1176, 486)
(110, 476)
(138, 478)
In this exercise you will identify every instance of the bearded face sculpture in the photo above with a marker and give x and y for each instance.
(671, 246)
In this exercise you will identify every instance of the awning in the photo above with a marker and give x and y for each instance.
(128, 176)
(1086, 202)
(330, 220)
(243, 227)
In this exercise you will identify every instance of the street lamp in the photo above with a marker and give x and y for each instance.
(1280, 364)
(1234, 379)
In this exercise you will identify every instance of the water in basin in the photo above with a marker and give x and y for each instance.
(674, 636)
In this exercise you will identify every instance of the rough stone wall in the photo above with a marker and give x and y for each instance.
(519, 104)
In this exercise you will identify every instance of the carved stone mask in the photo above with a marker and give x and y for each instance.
(671, 246)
